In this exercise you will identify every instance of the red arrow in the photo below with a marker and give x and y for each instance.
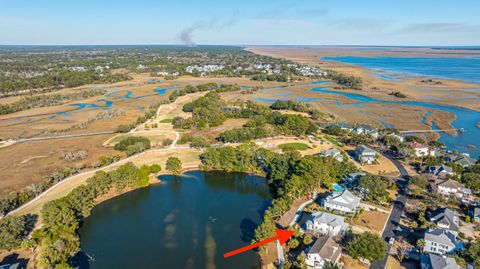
(282, 236)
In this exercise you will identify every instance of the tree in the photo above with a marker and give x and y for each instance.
(307, 239)
(473, 253)
(293, 243)
(167, 142)
(421, 244)
(367, 246)
(174, 165)
(13, 230)
(374, 188)
(155, 168)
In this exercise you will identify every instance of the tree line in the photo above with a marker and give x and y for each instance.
(61, 218)
(288, 174)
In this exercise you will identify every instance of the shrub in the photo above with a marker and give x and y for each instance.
(155, 168)
(133, 144)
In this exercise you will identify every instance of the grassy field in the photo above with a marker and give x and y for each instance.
(294, 145)
(166, 121)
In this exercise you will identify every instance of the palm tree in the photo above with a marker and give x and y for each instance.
(421, 244)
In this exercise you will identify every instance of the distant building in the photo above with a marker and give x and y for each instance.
(463, 159)
(324, 251)
(354, 177)
(366, 130)
(435, 261)
(447, 219)
(342, 201)
(399, 137)
(325, 223)
(365, 154)
(441, 170)
(333, 152)
(440, 241)
(420, 150)
(476, 214)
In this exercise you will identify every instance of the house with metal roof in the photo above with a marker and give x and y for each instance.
(435, 261)
(326, 223)
(447, 219)
(342, 201)
(324, 251)
(440, 241)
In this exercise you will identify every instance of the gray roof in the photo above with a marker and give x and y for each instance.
(452, 184)
(364, 149)
(366, 127)
(462, 159)
(344, 198)
(447, 217)
(328, 218)
(356, 175)
(441, 236)
(327, 248)
(329, 152)
(435, 261)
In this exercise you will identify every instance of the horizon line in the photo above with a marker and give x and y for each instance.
(237, 45)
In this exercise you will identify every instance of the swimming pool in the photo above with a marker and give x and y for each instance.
(337, 187)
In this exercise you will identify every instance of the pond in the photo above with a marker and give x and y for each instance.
(185, 221)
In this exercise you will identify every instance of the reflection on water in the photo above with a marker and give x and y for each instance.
(184, 222)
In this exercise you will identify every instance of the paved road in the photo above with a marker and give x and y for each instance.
(398, 207)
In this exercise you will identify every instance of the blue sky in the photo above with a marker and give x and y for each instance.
(280, 22)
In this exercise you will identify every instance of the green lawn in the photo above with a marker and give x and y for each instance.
(294, 145)
(166, 121)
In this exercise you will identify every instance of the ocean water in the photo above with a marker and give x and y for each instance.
(463, 69)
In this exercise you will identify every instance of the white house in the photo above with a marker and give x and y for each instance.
(325, 250)
(450, 186)
(342, 201)
(440, 241)
(421, 150)
(332, 152)
(367, 130)
(365, 154)
(326, 224)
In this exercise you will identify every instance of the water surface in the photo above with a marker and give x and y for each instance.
(464, 69)
(187, 221)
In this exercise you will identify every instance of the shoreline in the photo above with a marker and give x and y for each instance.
(376, 87)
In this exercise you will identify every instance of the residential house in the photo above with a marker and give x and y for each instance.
(463, 159)
(324, 251)
(476, 214)
(447, 187)
(333, 152)
(435, 261)
(399, 137)
(365, 154)
(441, 170)
(440, 241)
(342, 201)
(366, 129)
(325, 223)
(447, 219)
(354, 177)
(420, 150)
